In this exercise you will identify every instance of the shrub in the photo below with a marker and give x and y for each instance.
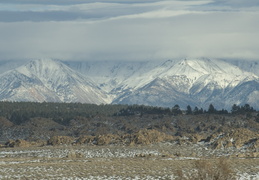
(219, 169)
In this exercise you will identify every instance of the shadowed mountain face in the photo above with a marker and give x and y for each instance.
(195, 82)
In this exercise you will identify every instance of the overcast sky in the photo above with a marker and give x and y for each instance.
(129, 30)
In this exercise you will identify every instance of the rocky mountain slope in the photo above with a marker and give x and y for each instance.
(195, 82)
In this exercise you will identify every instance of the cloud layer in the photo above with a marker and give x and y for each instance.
(132, 30)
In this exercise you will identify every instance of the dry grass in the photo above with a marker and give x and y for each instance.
(115, 162)
(204, 169)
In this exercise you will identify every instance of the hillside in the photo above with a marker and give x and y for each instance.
(61, 123)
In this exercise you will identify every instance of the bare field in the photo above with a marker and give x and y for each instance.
(160, 161)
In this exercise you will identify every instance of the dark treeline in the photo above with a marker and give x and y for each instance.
(176, 110)
(19, 112)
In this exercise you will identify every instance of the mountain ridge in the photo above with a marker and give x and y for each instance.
(195, 82)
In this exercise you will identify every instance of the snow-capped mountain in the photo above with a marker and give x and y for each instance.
(49, 80)
(195, 82)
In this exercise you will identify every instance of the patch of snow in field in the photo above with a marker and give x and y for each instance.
(122, 178)
(246, 176)
(186, 158)
(18, 162)
(19, 152)
(87, 153)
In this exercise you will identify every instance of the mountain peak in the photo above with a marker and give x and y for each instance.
(45, 64)
(40, 67)
(47, 77)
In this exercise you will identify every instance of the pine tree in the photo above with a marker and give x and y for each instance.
(176, 110)
(235, 109)
(189, 110)
(211, 109)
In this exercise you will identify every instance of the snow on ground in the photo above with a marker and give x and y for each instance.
(107, 162)
(87, 153)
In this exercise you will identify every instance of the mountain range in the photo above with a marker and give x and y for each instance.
(195, 82)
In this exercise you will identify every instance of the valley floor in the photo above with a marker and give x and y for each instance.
(157, 161)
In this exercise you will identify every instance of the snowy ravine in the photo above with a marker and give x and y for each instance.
(195, 82)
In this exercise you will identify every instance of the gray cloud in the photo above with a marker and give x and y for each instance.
(86, 11)
(237, 3)
(71, 2)
(155, 30)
